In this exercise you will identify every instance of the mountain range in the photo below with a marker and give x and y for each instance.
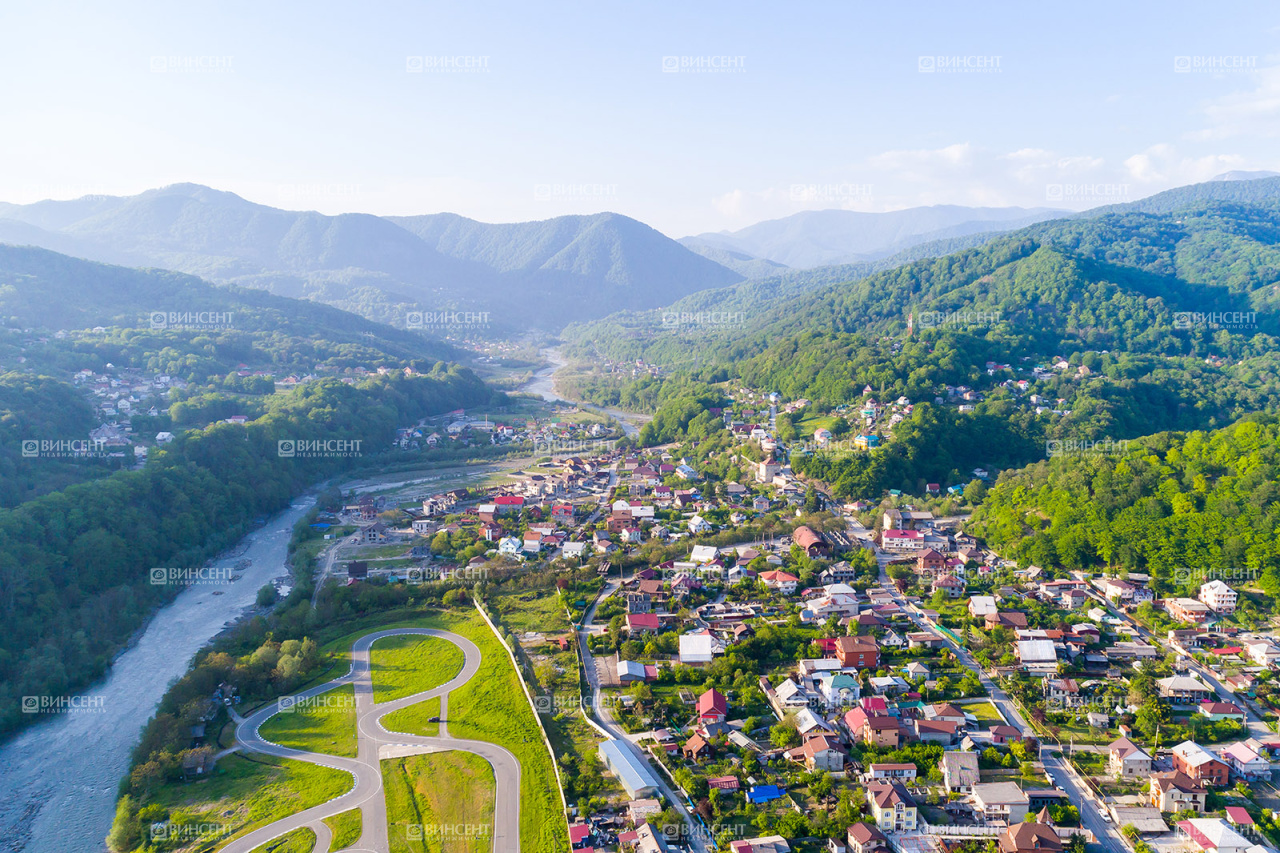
(816, 238)
(528, 274)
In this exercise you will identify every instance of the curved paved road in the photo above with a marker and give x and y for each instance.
(374, 743)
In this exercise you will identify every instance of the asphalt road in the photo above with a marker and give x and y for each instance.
(604, 716)
(1062, 773)
(1257, 728)
(375, 742)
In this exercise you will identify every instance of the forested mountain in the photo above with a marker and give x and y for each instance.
(573, 266)
(541, 273)
(74, 570)
(1161, 322)
(815, 238)
(50, 304)
(1109, 282)
(46, 291)
(1186, 507)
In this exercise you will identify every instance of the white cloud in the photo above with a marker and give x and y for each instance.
(1254, 112)
(1161, 167)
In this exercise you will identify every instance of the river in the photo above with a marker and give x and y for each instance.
(58, 779)
(542, 384)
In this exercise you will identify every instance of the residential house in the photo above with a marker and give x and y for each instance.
(1000, 801)
(1263, 651)
(865, 838)
(1213, 835)
(1218, 597)
(696, 649)
(902, 540)
(1061, 693)
(959, 771)
(930, 562)
(698, 524)
(882, 772)
(695, 748)
(1184, 690)
(1038, 657)
(981, 606)
(1188, 610)
(712, 707)
(935, 731)
(1032, 836)
(1127, 760)
(892, 807)
(1200, 764)
(1222, 711)
(1001, 735)
(1246, 763)
(1173, 792)
(780, 581)
(820, 752)
(642, 623)
(950, 584)
(858, 652)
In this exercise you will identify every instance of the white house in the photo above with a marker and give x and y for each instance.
(510, 545)
(695, 648)
(704, 553)
(1218, 596)
(698, 524)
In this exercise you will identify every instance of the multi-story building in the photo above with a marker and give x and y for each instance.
(1218, 597)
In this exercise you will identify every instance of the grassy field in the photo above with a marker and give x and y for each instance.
(244, 794)
(402, 666)
(984, 711)
(490, 707)
(325, 723)
(346, 828)
(299, 841)
(441, 802)
(415, 720)
(531, 610)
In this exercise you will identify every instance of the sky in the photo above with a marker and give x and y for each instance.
(692, 117)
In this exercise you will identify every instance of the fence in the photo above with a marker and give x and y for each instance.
(555, 765)
(947, 830)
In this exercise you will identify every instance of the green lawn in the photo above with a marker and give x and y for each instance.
(440, 802)
(415, 720)
(402, 666)
(325, 723)
(984, 711)
(346, 828)
(492, 707)
(299, 841)
(244, 794)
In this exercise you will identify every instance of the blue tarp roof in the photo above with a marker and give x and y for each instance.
(762, 793)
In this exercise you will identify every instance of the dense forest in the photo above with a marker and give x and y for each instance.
(1177, 505)
(74, 572)
(1112, 282)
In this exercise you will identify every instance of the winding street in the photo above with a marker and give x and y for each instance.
(374, 743)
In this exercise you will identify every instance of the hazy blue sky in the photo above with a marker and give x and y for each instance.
(579, 107)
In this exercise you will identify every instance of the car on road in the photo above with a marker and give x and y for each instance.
(1105, 815)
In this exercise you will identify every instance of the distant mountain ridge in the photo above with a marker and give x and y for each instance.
(526, 274)
(815, 238)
